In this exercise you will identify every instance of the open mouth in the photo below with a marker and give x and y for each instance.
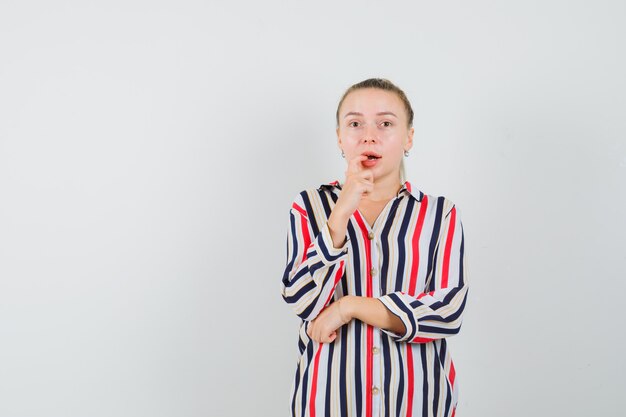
(371, 155)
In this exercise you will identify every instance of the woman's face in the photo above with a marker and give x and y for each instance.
(374, 120)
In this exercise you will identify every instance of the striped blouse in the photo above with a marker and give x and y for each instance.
(412, 260)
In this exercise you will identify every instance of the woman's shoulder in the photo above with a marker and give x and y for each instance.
(435, 202)
(315, 198)
(323, 188)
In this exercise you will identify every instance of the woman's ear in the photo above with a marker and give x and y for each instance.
(409, 140)
(338, 139)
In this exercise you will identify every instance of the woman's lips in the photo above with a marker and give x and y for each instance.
(369, 163)
(371, 154)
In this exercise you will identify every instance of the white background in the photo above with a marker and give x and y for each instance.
(149, 152)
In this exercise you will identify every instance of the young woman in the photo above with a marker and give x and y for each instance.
(376, 271)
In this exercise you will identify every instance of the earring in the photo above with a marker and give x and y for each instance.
(406, 153)
(342, 154)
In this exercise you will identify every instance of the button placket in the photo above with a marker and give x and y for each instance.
(374, 273)
(375, 350)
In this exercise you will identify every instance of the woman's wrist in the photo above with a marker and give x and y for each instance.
(338, 227)
(346, 308)
(338, 219)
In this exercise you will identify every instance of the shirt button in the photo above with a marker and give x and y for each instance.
(375, 390)
(371, 235)
(372, 271)
(375, 350)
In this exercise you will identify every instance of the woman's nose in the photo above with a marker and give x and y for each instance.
(369, 138)
(370, 135)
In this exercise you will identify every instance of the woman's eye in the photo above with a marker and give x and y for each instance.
(352, 124)
(387, 124)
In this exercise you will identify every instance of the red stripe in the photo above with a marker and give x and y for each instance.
(338, 276)
(453, 411)
(424, 294)
(370, 330)
(421, 340)
(446, 255)
(305, 230)
(412, 284)
(408, 185)
(409, 387)
(306, 236)
(314, 381)
(452, 373)
(300, 209)
(369, 376)
(415, 245)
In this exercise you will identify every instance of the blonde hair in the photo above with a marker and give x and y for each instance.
(386, 85)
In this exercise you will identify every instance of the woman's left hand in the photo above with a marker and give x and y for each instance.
(323, 328)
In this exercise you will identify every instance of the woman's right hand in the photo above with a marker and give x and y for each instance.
(359, 182)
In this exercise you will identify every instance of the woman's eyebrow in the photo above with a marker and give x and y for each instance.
(382, 113)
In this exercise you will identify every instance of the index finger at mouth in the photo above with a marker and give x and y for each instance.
(355, 163)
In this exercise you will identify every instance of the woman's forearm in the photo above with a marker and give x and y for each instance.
(338, 225)
(371, 311)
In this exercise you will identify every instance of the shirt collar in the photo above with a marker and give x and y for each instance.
(407, 188)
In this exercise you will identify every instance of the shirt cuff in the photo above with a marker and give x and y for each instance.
(395, 305)
(328, 252)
